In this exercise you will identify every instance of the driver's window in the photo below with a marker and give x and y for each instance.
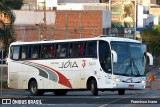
(105, 56)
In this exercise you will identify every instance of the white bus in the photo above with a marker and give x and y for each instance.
(59, 66)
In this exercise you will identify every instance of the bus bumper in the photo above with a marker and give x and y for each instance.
(121, 85)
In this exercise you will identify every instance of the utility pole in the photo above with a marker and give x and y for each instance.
(1, 72)
(2, 26)
(44, 9)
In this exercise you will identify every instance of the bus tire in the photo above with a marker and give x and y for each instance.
(121, 91)
(33, 88)
(94, 89)
(60, 92)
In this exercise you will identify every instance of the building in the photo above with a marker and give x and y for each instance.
(61, 24)
(147, 16)
(155, 2)
(79, 1)
(63, 4)
(29, 5)
(89, 20)
(39, 4)
(49, 4)
(83, 6)
(154, 10)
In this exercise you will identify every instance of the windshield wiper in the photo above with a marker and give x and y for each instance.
(135, 67)
(131, 63)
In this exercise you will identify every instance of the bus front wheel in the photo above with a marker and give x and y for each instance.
(33, 88)
(121, 91)
(94, 89)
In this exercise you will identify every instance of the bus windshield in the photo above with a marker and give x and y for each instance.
(130, 60)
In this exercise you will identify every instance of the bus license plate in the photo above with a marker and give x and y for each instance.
(131, 86)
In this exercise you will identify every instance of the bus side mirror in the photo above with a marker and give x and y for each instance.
(114, 56)
(150, 58)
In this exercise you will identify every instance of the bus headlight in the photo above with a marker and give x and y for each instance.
(115, 85)
(116, 79)
(143, 81)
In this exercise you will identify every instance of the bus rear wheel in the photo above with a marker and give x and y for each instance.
(60, 92)
(33, 88)
(121, 91)
(94, 89)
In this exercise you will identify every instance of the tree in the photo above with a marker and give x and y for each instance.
(13, 4)
(7, 18)
(151, 36)
(158, 1)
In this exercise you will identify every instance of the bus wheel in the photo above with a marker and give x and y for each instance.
(33, 88)
(60, 92)
(94, 89)
(121, 91)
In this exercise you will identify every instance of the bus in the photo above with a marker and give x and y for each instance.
(95, 64)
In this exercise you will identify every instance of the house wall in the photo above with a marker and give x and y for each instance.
(69, 24)
(78, 1)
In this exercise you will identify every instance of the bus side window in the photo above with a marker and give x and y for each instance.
(95, 49)
(105, 56)
(91, 49)
(42, 51)
(67, 50)
(57, 50)
(16, 52)
(52, 51)
(34, 51)
(11, 52)
(24, 52)
(81, 49)
(76, 50)
(63, 51)
(70, 49)
(84, 49)
(48, 51)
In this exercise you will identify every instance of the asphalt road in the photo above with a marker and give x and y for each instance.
(132, 98)
(144, 98)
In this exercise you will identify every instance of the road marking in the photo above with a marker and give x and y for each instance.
(110, 103)
(118, 100)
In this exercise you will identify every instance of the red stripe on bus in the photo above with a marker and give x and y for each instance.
(62, 79)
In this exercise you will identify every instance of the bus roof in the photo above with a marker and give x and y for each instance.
(109, 39)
